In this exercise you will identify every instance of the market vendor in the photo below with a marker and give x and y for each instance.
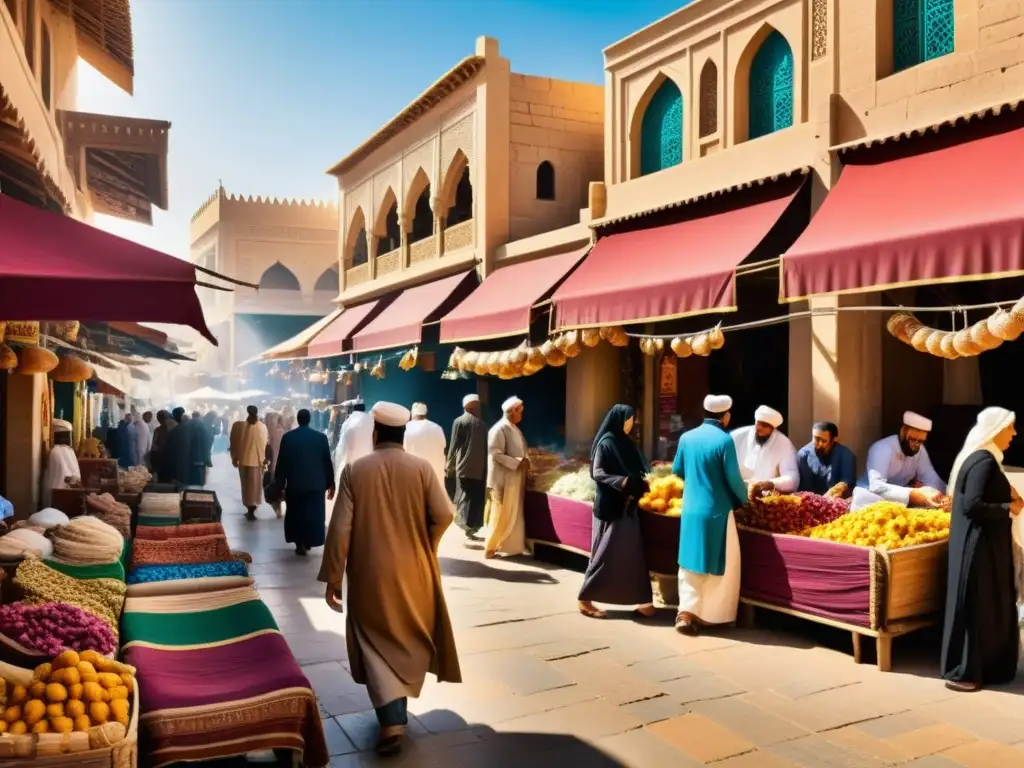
(62, 464)
(767, 457)
(900, 470)
(824, 463)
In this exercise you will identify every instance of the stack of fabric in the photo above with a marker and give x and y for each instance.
(182, 575)
(101, 597)
(193, 549)
(180, 531)
(87, 540)
(217, 679)
(112, 512)
(160, 509)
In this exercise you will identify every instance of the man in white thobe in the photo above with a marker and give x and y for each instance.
(62, 464)
(141, 441)
(356, 439)
(767, 457)
(426, 439)
(507, 466)
(899, 469)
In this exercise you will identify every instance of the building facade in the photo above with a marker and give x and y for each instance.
(77, 164)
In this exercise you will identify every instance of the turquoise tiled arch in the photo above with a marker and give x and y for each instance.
(661, 131)
(770, 93)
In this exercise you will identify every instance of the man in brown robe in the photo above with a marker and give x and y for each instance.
(397, 628)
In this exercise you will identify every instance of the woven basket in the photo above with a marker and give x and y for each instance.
(948, 347)
(33, 360)
(919, 340)
(983, 337)
(903, 326)
(934, 343)
(71, 369)
(1005, 326)
(965, 346)
(591, 337)
(21, 332)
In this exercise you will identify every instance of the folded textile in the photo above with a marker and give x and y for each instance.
(197, 628)
(152, 522)
(111, 511)
(87, 540)
(197, 549)
(184, 530)
(187, 586)
(190, 603)
(24, 542)
(84, 572)
(227, 700)
(149, 573)
(160, 505)
(103, 598)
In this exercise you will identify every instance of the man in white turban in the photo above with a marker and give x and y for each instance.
(426, 439)
(709, 546)
(62, 464)
(506, 482)
(390, 513)
(899, 469)
(767, 457)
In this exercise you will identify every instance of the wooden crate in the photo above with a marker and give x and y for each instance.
(910, 582)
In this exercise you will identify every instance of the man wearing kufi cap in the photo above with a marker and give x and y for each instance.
(62, 464)
(426, 439)
(709, 546)
(356, 438)
(767, 457)
(899, 469)
(467, 464)
(506, 482)
(390, 513)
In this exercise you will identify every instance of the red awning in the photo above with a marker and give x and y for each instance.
(668, 272)
(951, 214)
(402, 322)
(55, 268)
(501, 305)
(331, 340)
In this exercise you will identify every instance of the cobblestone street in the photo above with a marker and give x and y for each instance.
(544, 686)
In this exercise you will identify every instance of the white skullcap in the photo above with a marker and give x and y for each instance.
(419, 409)
(717, 403)
(511, 403)
(59, 425)
(470, 399)
(390, 414)
(768, 416)
(917, 421)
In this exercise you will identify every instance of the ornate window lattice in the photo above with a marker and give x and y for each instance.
(661, 132)
(771, 87)
(922, 30)
(708, 99)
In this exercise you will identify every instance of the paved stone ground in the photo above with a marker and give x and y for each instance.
(544, 686)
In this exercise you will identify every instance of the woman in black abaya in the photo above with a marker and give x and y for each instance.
(981, 639)
(617, 573)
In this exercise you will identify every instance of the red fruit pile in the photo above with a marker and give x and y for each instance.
(791, 513)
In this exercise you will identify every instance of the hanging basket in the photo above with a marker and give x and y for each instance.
(33, 360)
(681, 347)
(71, 369)
(1005, 325)
(591, 337)
(964, 345)
(21, 332)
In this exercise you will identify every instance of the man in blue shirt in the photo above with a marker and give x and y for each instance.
(824, 462)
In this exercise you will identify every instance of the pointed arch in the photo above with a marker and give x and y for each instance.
(452, 178)
(764, 89)
(386, 227)
(357, 247)
(419, 212)
(278, 277)
(656, 131)
(708, 98)
(546, 181)
(457, 192)
(328, 280)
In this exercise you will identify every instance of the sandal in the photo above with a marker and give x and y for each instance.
(641, 614)
(590, 611)
(962, 687)
(389, 741)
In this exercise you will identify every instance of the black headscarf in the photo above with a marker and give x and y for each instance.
(613, 433)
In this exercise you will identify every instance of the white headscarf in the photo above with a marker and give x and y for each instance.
(991, 422)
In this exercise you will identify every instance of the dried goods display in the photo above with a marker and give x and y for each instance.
(53, 627)
(664, 497)
(1002, 325)
(886, 525)
(700, 344)
(559, 476)
(789, 513)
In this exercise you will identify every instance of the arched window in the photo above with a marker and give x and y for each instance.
(328, 281)
(661, 132)
(361, 249)
(462, 208)
(423, 218)
(922, 30)
(279, 278)
(45, 71)
(708, 99)
(392, 239)
(545, 181)
(770, 91)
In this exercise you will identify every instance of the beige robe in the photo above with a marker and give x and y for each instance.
(388, 519)
(506, 489)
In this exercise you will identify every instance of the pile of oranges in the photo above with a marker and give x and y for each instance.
(665, 496)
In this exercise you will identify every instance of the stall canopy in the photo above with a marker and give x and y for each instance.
(297, 346)
(332, 340)
(402, 321)
(668, 272)
(955, 213)
(56, 268)
(503, 303)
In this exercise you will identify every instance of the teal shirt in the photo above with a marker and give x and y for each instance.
(706, 461)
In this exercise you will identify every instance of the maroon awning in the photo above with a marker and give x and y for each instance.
(331, 340)
(955, 213)
(56, 268)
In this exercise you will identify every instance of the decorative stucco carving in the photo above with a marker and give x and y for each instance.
(819, 29)
(360, 197)
(459, 236)
(419, 157)
(452, 116)
(422, 250)
(708, 99)
(390, 177)
(357, 275)
(389, 262)
(458, 136)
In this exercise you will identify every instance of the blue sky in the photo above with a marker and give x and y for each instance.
(267, 94)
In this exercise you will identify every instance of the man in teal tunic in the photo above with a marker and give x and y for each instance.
(709, 547)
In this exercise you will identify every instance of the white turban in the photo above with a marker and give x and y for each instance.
(991, 422)
(59, 425)
(717, 403)
(917, 421)
(768, 416)
(511, 403)
(419, 409)
(390, 414)
(468, 399)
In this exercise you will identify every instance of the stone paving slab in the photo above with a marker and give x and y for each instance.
(544, 686)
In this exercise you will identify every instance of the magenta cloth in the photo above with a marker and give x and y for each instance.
(54, 268)
(661, 542)
(215, 675)
(822, 578)
(559, 521)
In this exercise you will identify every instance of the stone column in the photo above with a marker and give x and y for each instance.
(404, 227)
(591, 388)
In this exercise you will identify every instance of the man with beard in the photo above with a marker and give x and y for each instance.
(900, 470)
(767, 457)
(824, 464)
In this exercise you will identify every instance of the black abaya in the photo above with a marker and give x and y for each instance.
(980, 639)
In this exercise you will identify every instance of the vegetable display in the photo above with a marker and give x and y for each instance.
(53, 627)
(886, 525)
(665, 496)
(788, 513)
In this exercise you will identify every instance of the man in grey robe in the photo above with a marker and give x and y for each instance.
(389, 516)
(467, 463)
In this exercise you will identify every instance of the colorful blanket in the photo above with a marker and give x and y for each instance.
(197, 629)
(197, 549)
(191, 586)
(184, 530)
(148, 521)
(113, 570)
(151, 573)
